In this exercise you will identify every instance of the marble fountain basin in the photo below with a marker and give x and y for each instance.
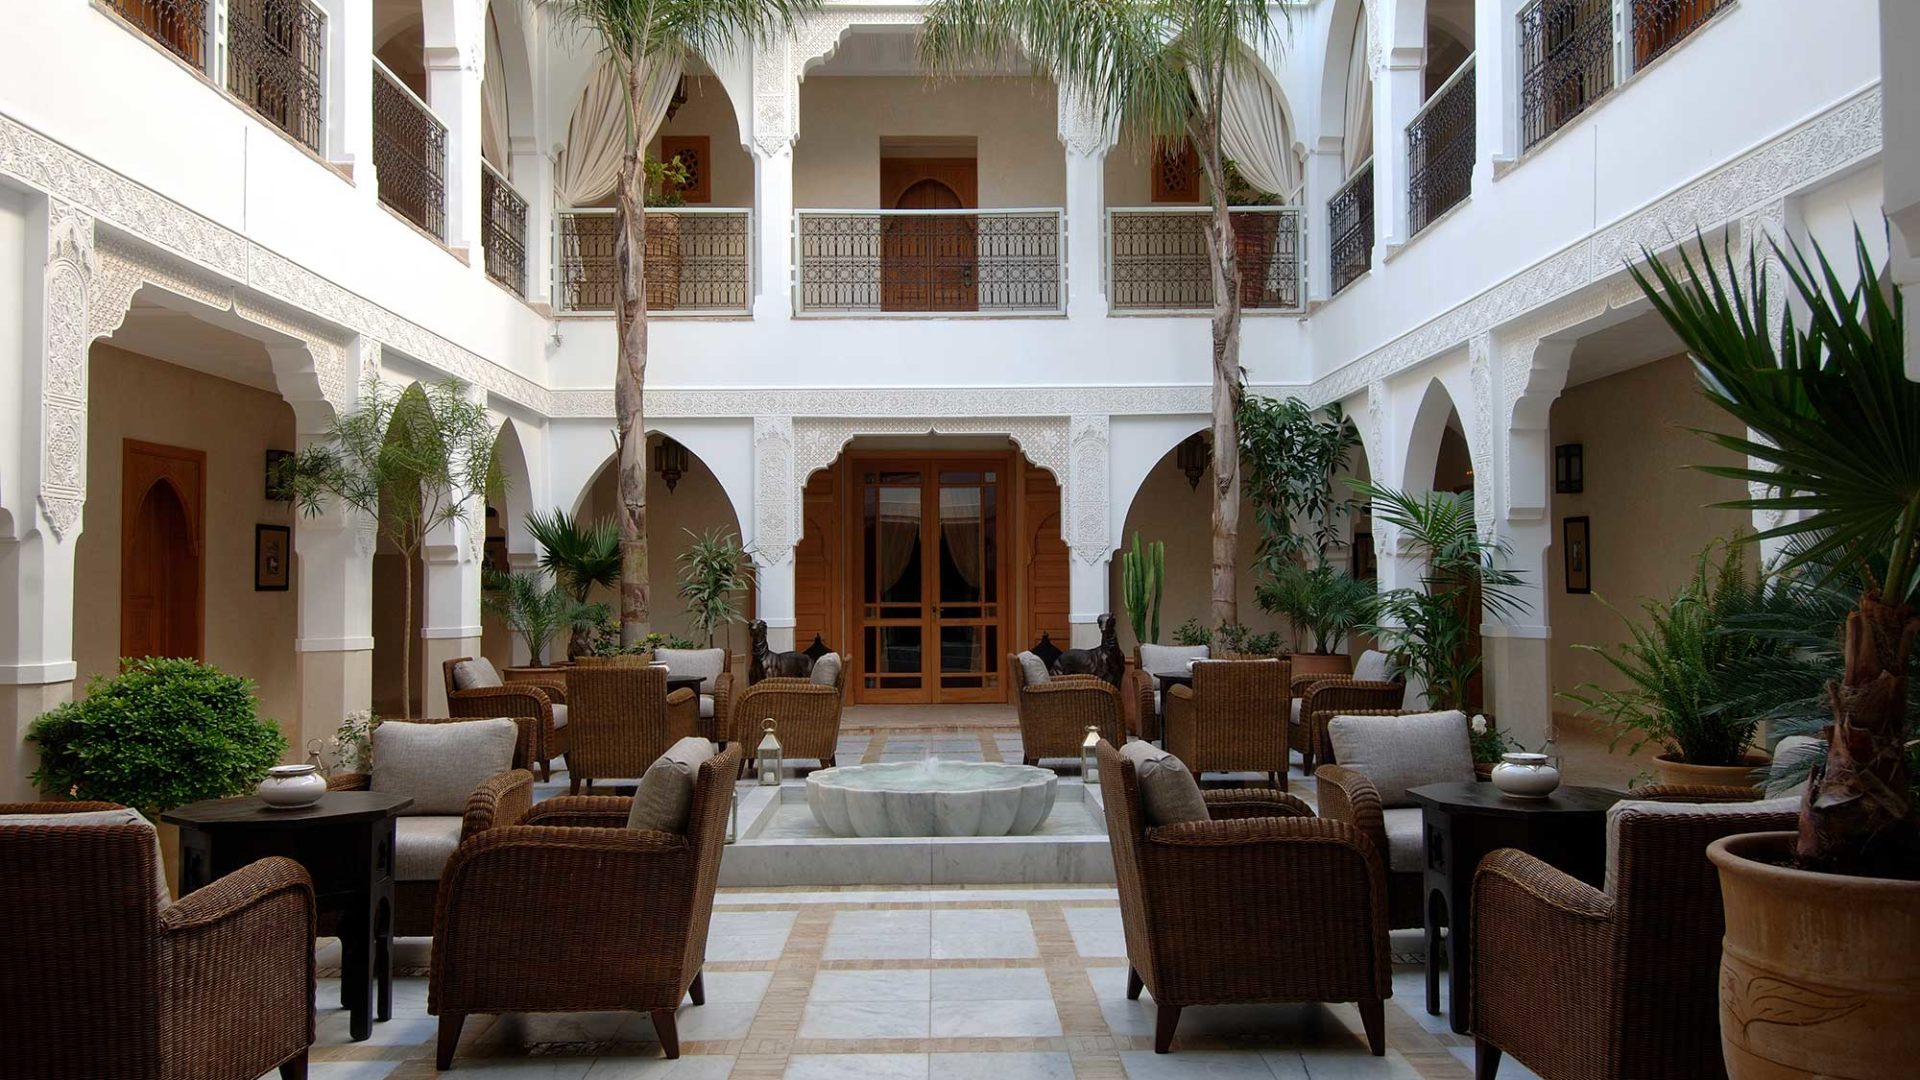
(931, 798)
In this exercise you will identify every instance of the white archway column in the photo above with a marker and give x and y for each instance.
(1087, 142)
(773, 207)
(450, 602)
(1398, 92)
(455, 56)
(349, 102)
(776, 524)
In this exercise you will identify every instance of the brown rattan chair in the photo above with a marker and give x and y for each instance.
(1349, 796)
(1264, 903)
(1620, 984)
(1320, 698)
(622, 719)
(100, 982)
(1233, 718)
(1054, 715)
(806, 717)
(541, 700)
(623, 925)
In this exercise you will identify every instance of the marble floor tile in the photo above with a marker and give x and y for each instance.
(697, 1067)
(714, 1021)
(332, 1029)
(735, 987)
(1025, 1066)
(881, 922)
(746, 947)
(908, 946)
(346, 1070)
(865, 1020)
(872, 986)
(857, 1067)
(739, 923)
(991, 984)
(1194, 1065)
(995, 1020)
(1097, 932)
(985, 947)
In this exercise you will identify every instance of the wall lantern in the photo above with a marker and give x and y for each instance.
(766, 760)
(1569, 469)
(1193, 456)
(670, 461)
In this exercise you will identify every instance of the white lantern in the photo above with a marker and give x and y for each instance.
(733, 813)
(1090, 756)
(767, 758)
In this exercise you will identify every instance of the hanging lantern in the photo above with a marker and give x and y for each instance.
(1090, 756)
(766, 759)
(1193, 456)
(670, 461)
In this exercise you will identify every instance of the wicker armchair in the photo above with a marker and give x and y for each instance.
(624, 925)
(806, 716)
(1349, 796)
(1054, 715)
(541, 700)
(1233, 718)
(1643, 1002)
(1320, 698)
(622, 719)
(101, 982)
(1305, 919)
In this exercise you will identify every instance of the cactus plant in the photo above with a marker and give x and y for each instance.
(1142, 573)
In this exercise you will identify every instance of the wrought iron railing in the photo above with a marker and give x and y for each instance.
(1440, 143)
(1566, 63)
(503, 230)
(409, 153)
(275, 56)
(993, 262)
(180, 25)
(1659, 25)
(1350, 228)
(1158, 258)
(697, 261)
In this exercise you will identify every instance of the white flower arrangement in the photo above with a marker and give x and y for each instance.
(1479, 724)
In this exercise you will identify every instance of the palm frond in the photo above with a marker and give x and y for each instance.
(580, 555)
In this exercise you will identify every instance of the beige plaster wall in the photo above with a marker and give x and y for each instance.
(1649, 514)
(1129, 175)
(836, 162)
(248, 633)
(1166, 508)
(709, 112)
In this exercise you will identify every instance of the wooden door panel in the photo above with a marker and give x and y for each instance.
(930, 262)
(162, 551)
(1048, 593)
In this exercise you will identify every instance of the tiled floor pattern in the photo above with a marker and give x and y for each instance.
(931, 984)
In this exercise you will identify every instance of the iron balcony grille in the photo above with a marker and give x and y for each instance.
(1566, 60)
(919, 261)
(1157, 259)
(1659, 25)
(275, 54)
(1350, 228)
(697, 261)
(180, 25)
(503, 231)
(409, 154)
(1440, 143)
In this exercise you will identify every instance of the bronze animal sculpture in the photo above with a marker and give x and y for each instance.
(1108, 661)
(1076, 662)
(768, 664)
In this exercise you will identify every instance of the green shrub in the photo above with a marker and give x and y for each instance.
(160, 734)
(1191, 633)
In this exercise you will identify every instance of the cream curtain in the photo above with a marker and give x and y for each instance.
(1254, 132)
(964, 528)
(589, 164)
(1358, 136)
(495, 120)
(896, 534)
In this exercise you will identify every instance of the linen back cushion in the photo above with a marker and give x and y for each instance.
(826, 670)
(1169, 792)
(103, 817)
(1033, 668)
(1158, 658)
(686, 663)
(1372, 667)
(476, 674)
(1647, 810)
(665, 796)
(1402, 752)
(439, 765)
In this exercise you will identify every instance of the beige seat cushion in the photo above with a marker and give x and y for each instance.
(706, 706)
(665, 795)
(1170, 792)
(1158, 658)
(422, 846)
(826, 670)
(1406, 839)
(439, 765)
(103, 817)
(1297, 702)
(1372, 667)
(687, 663)
(476, 674)
(559, 716)
(1402, 752)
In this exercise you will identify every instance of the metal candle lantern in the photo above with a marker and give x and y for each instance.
(767, 758)
(1090, 756)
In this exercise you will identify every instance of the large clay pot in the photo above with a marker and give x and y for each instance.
(1819, 973)
(1321, 664)
(1670, 770)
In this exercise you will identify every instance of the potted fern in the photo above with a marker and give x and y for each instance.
(1324, 604)
(538, 609)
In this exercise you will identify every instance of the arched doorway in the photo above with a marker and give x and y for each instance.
(930, 258)
(162, 567)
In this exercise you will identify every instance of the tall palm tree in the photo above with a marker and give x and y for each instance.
(637, 36)
(1834, 439)
(1157, 69)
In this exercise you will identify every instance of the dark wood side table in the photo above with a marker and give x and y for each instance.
(346, 843)
(1466, 821)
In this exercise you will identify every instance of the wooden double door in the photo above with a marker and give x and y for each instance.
(929, 261)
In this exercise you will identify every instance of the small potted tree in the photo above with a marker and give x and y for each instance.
(714, 571)
(581, 556)
(1324, 603)
(538, 609)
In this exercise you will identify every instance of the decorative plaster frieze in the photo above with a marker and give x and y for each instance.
(778, 66)
(1084, 489)
(941, 401)
(1081, 128)
(70, 265)
(1823, 145)
(1480, 439)
(777, 485)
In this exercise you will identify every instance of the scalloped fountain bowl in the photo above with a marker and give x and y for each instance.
(932, 798)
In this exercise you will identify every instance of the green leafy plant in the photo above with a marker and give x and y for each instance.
(1290, 454)
(1267, 644)
(1142, 584)
(714, 571)
(1241, 192)
(412, 461)
(1428, 631)
(1231, 637)
(538, 609)
(580, 556)
(1191, 634)
(1323, 603)
(1679, 665)
(1487, 741)
(666, 181)
(1830, 438)
(160, 734)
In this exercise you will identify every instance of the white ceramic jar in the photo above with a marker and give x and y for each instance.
(1526, 776)
(290, 786)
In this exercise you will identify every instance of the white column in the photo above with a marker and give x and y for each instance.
(775, 599)
(1496, 88)
(776, 524)
(533, 179)
(1900, 151)
(450, 617)
(349, 105)
(1086, 597)
(453, 92)
(36, 643)
(1086, 142)
(333, 555)
(1398, 93)
(773, 210)
(1326, 171)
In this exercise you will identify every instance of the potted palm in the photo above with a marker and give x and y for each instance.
(1324, 603)
(581, 556)
(538, 609)
(714, 571)
(1822, 924)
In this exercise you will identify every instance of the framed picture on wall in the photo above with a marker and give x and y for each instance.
(272, 558)
(1576, 541)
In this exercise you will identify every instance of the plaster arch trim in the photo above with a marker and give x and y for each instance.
(711, 444)
(1438, 395)
(1344, 20)
(517, 498)
(1126, 488)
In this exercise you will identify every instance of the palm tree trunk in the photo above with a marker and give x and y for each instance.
(406, 635)
(630, 320)
(1227, 388)
(1858, 816)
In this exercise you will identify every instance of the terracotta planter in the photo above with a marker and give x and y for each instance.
(1668, 770)
(1817, 972)
(1321, 664)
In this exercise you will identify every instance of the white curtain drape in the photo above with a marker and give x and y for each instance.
(1255, 134)
(495, 120)
(1358, 136)
(589, 163)
(964, 530)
